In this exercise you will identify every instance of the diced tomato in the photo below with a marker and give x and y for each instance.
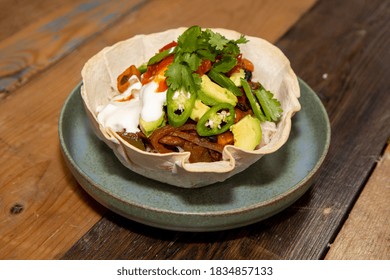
(168, 46)
(240, 114)
(158, 70)
(247, 65)
(242, 63)
(204, 67)
(162, 86)
(235, 69)
(164, 63)
(225, 138)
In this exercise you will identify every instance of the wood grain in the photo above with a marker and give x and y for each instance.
(34, 180)
(50, 37)
(43, 210)
(366, 233)
(17, 15)
(342, 53)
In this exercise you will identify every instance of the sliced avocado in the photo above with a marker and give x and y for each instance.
(247, 133)
(148, 127)
(199, 110)
(212, 94)
(236, 77)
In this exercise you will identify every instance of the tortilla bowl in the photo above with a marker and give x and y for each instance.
(271, 68)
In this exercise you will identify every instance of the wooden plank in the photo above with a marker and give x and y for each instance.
(41, 203)
(343, 56)
(16, 15)
(50, 37)
(265, 18)
(44, 210)
(58, 33)
(366, 233)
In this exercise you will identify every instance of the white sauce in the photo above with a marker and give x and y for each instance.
(152, 102)
(122, 115)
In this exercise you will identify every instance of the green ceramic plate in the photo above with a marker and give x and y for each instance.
(266, 188)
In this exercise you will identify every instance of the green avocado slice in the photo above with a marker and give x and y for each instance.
(247, 133)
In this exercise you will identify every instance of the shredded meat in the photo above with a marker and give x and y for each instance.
(198, 153)
(171, 141)
(157, 135)
(197, 140)
(166, 139)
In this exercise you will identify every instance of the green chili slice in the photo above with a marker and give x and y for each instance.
(224, 82)
(142, 68)
(160, 56)
(216, 120)
(254, 104)
(179, 106)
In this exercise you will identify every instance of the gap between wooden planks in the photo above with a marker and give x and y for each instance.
(43, 210)
(366, 233)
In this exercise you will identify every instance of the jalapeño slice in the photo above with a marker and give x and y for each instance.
(160, 56)
(179, 106)
(216, 120)
(252, 100)
(224, 82)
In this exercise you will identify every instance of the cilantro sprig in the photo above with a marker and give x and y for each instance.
(271, 106)
(264, 105)
(194, 46)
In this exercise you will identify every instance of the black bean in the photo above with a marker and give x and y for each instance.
(248, 75)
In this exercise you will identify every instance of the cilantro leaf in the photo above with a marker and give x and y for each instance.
(226, 63)
(180, 76)
(270, 106)
(241, 40)
(217, 40)
(191, 59)
(190, 81)
(232, 48)
(174, 77)
(195, 45)
(206, 54)
(188, 41)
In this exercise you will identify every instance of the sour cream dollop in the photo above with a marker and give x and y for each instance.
(123, 112)
(152, 102)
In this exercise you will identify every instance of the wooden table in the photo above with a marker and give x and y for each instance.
(340, 48)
